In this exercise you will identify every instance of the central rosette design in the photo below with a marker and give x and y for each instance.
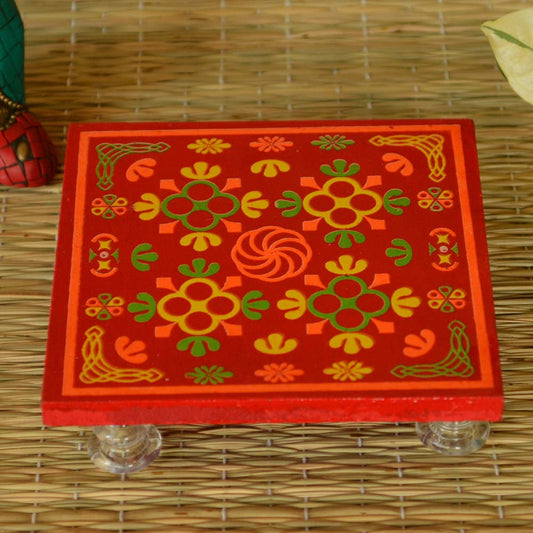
(271, 253)
(348, 303)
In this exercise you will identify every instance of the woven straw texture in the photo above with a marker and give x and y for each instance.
(123, 60)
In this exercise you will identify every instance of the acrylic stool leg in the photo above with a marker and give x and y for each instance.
(453, 438)
(124, 449)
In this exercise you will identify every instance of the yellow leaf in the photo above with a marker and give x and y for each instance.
(201, 171)
(351, 343)
(403, 304)
(253, 203)
(149, 208)
(275, 343)
(346, 265)
(511, 39)
(294, 304)
(270, 167)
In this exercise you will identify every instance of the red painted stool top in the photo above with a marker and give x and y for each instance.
(271, 272)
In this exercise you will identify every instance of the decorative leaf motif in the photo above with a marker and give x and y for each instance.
(346, 265)
(251, 304)
(294, 304)
(201, 240)
(351, 343)
(143, 168)
(199, 345)
(201, 171)
(402, 251)
(199, 268)
(270, 168)
(346, 238)
(292, 206)
(149, 207)
(393, 202)
(398, 163)
(338, 168)
(131, 351)
(403, 303)
(275, 343)
(144, 309)
(419, 345)
(253, 203)
(141, 257)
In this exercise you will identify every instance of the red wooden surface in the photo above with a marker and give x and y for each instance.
(271, 272)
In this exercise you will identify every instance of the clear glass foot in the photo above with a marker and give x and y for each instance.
(124, 449)
(453, 438)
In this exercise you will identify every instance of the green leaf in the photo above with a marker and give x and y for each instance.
(347, 238)
(144, 308)
(250, 304)
(338, 169)
(142, 256)
(292, 206)
(199, 268)
(198, 345)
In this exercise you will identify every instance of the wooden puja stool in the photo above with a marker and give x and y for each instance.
(229, 273)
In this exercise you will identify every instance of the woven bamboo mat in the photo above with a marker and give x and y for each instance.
(119, 60)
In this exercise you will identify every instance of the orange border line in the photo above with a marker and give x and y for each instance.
(486, 381)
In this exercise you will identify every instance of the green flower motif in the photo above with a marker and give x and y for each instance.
(335, 142)
(205, 375)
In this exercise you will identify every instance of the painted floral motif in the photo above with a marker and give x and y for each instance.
(279, 373)
(435, 199)
(348, 370)
(200, 206)
(271, 144)
(342, 203)
(332, 142)
(109, 206)
(205, 375)
(446, 299)
(105, 306)
(348, 303)
(199, 306)
(209, 146)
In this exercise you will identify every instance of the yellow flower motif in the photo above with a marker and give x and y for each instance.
(348, 370)
(208, 146)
